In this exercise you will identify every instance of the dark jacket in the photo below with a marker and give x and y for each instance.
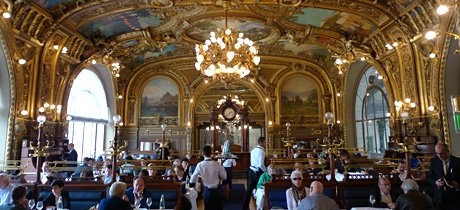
(73, 156)
(378, 198)
(13, 206)
(445, 198)
(51, 200)
(414, 200)
(145, 194)
(114, 203)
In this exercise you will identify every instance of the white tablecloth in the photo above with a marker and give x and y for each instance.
(191, 195)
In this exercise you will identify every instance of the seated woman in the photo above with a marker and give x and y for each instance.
(48, 175)
(297, 192)
(52, 199)
(260, 189)
(190, 202)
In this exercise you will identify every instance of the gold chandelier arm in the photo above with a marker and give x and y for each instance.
(457, 36)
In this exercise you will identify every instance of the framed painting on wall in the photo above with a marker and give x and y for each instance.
(160, 97)
(300, 101)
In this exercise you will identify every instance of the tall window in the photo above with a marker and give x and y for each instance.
(371, 112)
(87, 106)
(5, 103)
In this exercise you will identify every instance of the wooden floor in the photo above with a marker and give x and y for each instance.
(252, 205)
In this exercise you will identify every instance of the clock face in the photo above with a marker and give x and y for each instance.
(229, 113)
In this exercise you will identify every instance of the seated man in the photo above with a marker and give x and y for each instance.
(107, 177)
(5, 189)
(384, 195)
(115, 201)
(85, 169)
(412, 198)
(128, 166)
(20, 202)
(137, 191)
(317, 200)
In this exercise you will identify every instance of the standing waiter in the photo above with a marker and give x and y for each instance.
(444, 175)
(211, 173)
(256, 169)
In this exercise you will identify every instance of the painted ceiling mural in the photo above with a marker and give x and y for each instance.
(127, 29)
(338, 21)
(253, 30)
(120, 23)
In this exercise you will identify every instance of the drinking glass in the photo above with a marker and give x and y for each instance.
(137, 203)
(149, 202)
(31, 203)
(39, 205)
(372, 200)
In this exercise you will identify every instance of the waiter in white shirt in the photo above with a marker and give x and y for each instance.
(211, 173)
(256, 169)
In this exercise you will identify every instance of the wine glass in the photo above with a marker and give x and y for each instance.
(39, 205)
(137, 203)
(149, 202)
(372, 200)
(31, 203)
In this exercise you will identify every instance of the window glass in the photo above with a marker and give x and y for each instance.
(88, 107)
(371, 108)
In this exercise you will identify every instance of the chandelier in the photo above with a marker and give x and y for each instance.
(226, 55)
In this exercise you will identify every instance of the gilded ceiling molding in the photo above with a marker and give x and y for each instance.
(32, 22)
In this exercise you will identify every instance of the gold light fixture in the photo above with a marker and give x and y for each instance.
(226, 55)
(430, 35)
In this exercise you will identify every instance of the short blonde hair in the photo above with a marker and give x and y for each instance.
(117, 189)
(296, 174)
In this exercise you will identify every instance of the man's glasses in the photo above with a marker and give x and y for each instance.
(297, 178)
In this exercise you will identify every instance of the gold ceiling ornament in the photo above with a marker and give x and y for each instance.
(112, 64)
(290, 3)
(226, 55)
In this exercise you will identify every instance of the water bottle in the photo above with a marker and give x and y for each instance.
(162, 202)
(60, 205)
(187, 183)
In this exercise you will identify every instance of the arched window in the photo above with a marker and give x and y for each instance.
(5, 102)
(87, 107)
(371, 112)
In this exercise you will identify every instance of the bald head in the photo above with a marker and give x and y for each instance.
(442, 151)
(316, 187)
(4, 180)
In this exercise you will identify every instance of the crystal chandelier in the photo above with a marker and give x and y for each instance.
(226, 55)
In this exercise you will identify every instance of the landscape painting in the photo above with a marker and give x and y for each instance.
(160, 98)
(299, 97)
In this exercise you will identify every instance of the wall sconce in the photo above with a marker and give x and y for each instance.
(430, 35)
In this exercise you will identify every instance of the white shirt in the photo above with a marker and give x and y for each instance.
(258, 159)
(210, 171)
(229, 163)
(5, 195)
